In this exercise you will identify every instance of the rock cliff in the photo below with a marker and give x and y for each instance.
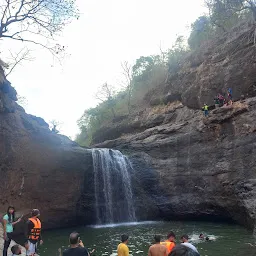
(190, 166)
(196, 167)
(38, 169)
(185, 165)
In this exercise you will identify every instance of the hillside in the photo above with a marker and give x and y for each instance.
(205, 167)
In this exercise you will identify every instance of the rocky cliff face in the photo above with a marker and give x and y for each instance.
(185, 165)
(227, 61)
(193, 166)
(38, 168)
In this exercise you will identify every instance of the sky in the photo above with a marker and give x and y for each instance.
(107, 33)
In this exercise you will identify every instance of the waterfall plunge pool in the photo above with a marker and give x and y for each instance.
(230, 239)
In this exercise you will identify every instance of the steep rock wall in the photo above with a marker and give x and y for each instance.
(203, 167)
(39, 169)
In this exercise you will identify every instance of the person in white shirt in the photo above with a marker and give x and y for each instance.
(185, 242)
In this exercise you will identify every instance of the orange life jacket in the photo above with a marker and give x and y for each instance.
(35, 232)
(169, 245)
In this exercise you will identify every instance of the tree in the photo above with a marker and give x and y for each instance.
(22, 101)
(54, 124)
(128, 76)
(16, 59)
(106, 94)
(176, 54)
(142, 65)
(224, 14)
(35, 21)
(201, 30)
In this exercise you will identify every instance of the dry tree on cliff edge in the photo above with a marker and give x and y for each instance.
(36, 21)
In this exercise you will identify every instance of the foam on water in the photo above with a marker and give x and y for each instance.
(113, 225)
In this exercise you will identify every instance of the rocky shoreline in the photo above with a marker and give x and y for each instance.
(12, 243)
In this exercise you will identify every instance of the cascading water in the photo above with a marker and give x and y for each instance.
(112, 184)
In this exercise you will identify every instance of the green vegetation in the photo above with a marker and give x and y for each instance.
(150, 72)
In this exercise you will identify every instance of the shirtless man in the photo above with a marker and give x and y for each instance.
(157, 249)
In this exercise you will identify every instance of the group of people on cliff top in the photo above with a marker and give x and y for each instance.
(76, 248)
(219, 101)
(33, 232)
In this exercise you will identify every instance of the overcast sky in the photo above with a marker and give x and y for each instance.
(107, 33)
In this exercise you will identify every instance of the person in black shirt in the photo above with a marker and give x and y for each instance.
(76, 246)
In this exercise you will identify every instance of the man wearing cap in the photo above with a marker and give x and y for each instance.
(34, 228)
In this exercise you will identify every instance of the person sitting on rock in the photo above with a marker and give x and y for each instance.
(225, 103)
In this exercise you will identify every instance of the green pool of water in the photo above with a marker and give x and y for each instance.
(230, 239)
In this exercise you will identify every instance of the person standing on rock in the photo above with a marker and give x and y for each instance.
(217, 102)
(206, 110)
(230, 102)
(34, 228)
(8, 223)
(221, 99)
(122, 249)
(157, 249)
(170, 242)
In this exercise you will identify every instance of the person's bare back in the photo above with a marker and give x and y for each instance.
(157, 250)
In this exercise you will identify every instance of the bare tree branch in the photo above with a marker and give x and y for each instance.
(128, 75)
(16, 60)
(44, 18)
(106, 94)
(29, 41)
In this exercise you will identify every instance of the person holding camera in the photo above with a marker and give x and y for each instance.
(76, 246)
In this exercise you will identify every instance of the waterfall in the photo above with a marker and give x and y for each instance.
(112, 185)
